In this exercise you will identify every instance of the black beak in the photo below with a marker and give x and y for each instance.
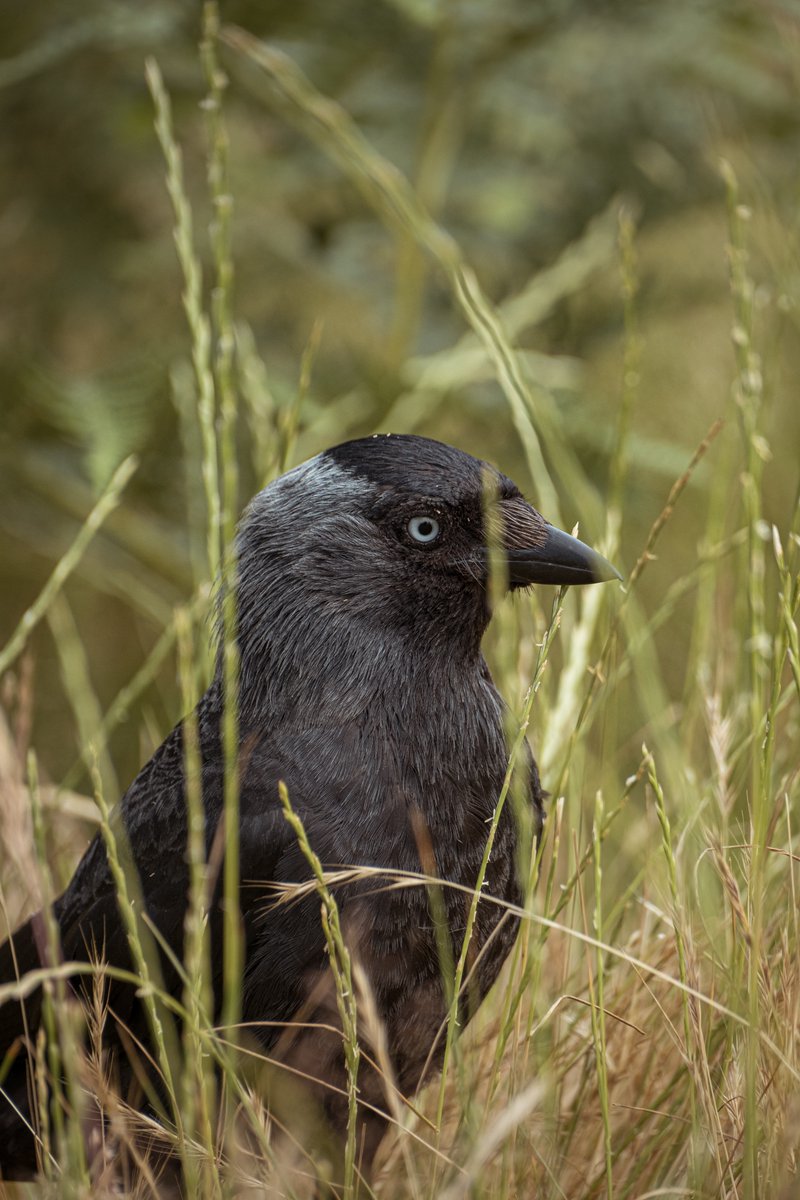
(559, 559)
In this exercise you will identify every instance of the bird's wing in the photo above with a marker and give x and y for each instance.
(151, 830)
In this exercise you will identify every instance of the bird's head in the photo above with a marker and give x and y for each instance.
(388, 535)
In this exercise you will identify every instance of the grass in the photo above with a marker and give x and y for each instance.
(644, 1037)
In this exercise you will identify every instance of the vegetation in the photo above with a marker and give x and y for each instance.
(562, 236)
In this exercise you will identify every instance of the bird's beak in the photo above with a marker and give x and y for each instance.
(560, 558)
(537, 552)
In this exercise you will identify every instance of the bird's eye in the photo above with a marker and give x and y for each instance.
(423, 529)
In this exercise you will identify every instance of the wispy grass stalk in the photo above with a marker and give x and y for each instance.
(224, 343)
(43, 1132)
(144, 955)
(632, 348)
(441, 929)
(680, 945)
(260, 406)
(748, 394)
(789, 600)
(183, 388)
(290, 421)
(346, 1003)
(65, 1101)
(524, 974)
(78, 686)
(68, 562)
(598, 1011)
(120, 708)
(608, 820)
(784, 650)
(198, 1100)
(197, 318)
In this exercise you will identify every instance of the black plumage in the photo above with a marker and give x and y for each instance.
(362, 601)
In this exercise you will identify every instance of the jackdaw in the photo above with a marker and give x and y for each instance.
(362, 601)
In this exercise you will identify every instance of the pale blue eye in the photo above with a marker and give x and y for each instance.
(423, 529)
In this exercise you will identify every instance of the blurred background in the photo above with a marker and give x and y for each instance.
(525, 128)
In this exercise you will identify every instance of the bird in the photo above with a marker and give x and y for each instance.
(362, 596)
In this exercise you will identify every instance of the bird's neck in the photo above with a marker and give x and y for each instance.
(330, 668)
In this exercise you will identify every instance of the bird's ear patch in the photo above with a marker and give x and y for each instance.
(322, 475)
(291, 500)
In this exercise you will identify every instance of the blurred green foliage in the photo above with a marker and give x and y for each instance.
(522, 126)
